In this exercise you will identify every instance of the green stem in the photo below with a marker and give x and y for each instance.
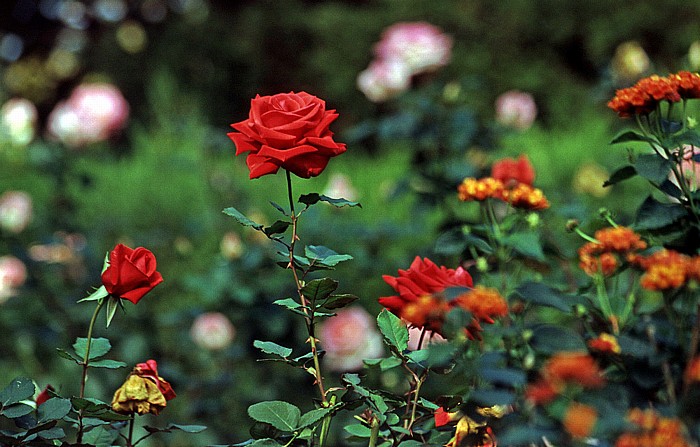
(374, 432)
(131, 431)
(85, 364)
(308, 317)
(603, 297)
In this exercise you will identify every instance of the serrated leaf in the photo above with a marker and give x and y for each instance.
(281, 415)
(653, 214)
(653, 167)
(278, 227)
(319, 254)
(292, 305)
(54, 409)
(319, 289)
(98, 347)
(269, 347)
(279, 208)
(624, 173)
(242, 219)
(107, 363)
(313, 198)
(67, 355)
(19, 389)
(629, 136)
(339, 301)
(311, 417)
(393, 329)
(543, 295)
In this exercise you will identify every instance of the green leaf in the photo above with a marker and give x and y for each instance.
(653, 214)
(489, 398)
(243, 220)
(311, 417)
(52, 433)
(16, 410)
(393, 329)
(543, 295)
(358, 430)
(19, 389)
(629, 136)
(54, 409)
(67, 355)
(624, 173)
(106, 363)
(279, 208)
(456, 241)
(313, 198)
(690, 136)
(113, 303)
(292, 305)
(319, 254)
(278, 227)
(653, 167)
(98, 347)
(99, 293)
(319, 289)
(550, 339)
(269, 347)
(505, 376)
(281, 415)
(100, 436)
(339, 301)
(526, 244)
(176, 427)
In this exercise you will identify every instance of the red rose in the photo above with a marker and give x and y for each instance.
(44, 395)
(509, 170)
(149, 370)
(131, 273)
(421, 281)
(289, 131)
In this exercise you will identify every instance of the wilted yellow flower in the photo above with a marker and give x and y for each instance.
(138, 395)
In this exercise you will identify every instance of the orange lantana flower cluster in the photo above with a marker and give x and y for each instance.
(653, 431)
(692, 371)
(518, 195)
(579, 420)
(561, 370)
(604, 256)
(643, 97)
(484, 304)
(667, 269)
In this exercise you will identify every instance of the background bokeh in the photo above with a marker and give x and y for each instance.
(187, 69)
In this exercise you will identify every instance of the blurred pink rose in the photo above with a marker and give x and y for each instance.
(15, 211)
(212, 331)
(429, 338)
(689, 167)
(419, 45)
(13, 274)
(18, 121)
(384, 79)
(92, 113)
(340, 187)
(348, 338)
(516, 109)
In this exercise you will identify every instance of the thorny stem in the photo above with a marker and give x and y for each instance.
(86, 361)
(309, 317)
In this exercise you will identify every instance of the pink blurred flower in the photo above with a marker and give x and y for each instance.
(339, 186)
(18, 121)
(429, 338)
(92, 113)
(212, 331)
(516, 109)
(419, 45)
(384, 79)
(15, 211)
(348, 338)
(13, 274)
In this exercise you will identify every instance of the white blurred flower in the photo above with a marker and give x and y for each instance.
(630, 62)
(384, 79)
(92, 113)
(516, 109)
(231, 246)
(15, 211)
(348, 338)
(18, 121)
(212, 331)
(419, 45)
(430, 337)
(13, 274)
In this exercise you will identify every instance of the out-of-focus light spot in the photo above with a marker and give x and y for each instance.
(28, 78)
(131, 37)
(110, 10)
(195, 10)
(11, 47)
(62, 64)
(73, 14)
(154, 11)
(50, 8)
(72, 40)
(694, 55)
